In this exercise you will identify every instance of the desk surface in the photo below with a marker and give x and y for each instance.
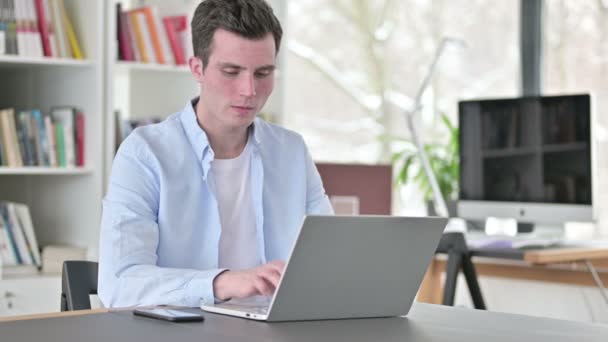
(424, 323)
(544, 256)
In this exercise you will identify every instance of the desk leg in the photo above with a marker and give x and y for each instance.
(451, 277)
(431, 289)
(471, 277)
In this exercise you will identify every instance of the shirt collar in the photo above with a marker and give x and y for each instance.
(197, 136)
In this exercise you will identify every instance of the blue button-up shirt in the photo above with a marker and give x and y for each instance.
(160, 226)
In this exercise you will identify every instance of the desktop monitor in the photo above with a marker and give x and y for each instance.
(526, 158)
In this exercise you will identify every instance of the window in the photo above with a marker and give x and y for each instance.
(353, 66)
(574, 53)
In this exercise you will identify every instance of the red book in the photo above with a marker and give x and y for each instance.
(79, 139)
(174, 25)
(43, 26)
(124, 35)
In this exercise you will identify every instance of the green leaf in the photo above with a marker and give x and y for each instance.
(403, 174)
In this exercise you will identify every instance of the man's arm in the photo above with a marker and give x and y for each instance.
(129, 274)
(317, 202)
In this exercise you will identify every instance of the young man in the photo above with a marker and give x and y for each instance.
(206, 205)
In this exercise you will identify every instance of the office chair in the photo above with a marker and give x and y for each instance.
(454, 245)
(78, 281)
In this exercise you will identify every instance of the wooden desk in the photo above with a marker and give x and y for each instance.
(52, 314)
(559, 265)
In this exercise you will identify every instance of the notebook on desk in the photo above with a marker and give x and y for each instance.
(348, 267)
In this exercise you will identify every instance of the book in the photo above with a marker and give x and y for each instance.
(35, 131)
(123, 35)
(61, 36)
(64, 119)
(139, 37)
(60, 144)
(7, 254)
(53, 39)
(25, 220)
(42, 139)
(43, 27)
(25, 124)
(79, 139)
(34, 37)
(162, 36)
(140, 17)
(3, 28)
(10, 235)
(151, 32)
(74, 45)
(20, 28)
(11, 28)
(18, 244)
(128, 24)
(9, 133)
(19, 235)
(22, 138)
(174, 25)
(49, 128)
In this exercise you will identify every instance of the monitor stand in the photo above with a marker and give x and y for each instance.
(512, 227)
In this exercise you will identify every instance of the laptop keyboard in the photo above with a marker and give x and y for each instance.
(258, 305)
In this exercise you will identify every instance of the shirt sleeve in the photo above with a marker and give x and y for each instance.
(129, 237)
(317, 202)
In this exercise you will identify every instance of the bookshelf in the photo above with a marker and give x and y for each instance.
(45, 82)
(64, 202)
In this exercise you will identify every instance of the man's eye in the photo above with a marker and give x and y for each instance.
(262, 74)
(230, 72)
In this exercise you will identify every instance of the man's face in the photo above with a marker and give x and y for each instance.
(237, 80)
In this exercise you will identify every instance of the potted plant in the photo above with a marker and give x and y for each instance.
(444, 161)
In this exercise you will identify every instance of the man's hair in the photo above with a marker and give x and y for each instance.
(252, 19)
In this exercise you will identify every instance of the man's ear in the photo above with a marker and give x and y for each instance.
(196, 68)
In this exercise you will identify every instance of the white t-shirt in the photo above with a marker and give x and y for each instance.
(238, 247)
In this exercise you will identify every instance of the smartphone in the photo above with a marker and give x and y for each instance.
(172, 315)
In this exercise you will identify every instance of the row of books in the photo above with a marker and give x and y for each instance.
(143, 36)
(36, 28)
(18, 244)
(30, 138)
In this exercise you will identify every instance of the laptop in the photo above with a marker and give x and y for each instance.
(347, 267)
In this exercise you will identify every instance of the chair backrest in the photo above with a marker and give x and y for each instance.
(78, 281)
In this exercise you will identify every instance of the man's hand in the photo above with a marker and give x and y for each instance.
(261, 280)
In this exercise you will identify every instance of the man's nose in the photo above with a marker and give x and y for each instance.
(247, 86)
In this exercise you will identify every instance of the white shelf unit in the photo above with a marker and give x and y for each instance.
(140, 90)
(10, 61)
(65, 210)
